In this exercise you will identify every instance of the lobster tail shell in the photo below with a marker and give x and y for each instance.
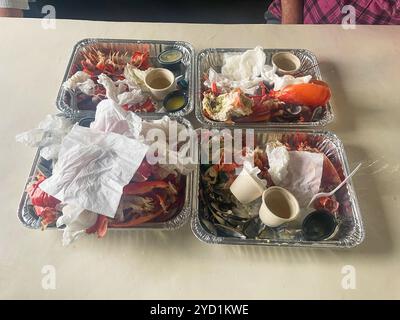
(313, 94)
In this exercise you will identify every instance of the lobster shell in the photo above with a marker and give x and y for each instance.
(313, 94)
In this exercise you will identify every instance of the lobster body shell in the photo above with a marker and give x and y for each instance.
(39, 198)
(312, 94)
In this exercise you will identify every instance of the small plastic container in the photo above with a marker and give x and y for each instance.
(278, 206)
(160, 82)
(246, 188)
(319, 225)
(170, 59)
(175, 101)
(286, 63)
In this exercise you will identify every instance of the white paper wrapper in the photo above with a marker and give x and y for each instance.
(225, 84)
(282, 82)
(87, 87)
(75, 80)
(269, 75)
(246, 71)
(246, 66)
(76, 221)
(116, 91)
(92, 169)
(174, 152)
(278, 159)
(48, 136)
(135, 77)
(112, 118)
(300, 173)
(239, 71)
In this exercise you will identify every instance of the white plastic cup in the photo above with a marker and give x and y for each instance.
(160, 82)
(286, 63)
(278, 206)
(246, 188)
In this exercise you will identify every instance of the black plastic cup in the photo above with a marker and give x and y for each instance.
(319, 225)
(174, 94)
(172, 64)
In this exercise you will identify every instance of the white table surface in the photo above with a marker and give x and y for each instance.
(362, 66)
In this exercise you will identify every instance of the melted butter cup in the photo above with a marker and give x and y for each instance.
(175, 101)
(170, 59)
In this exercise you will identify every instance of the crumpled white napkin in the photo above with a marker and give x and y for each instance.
(246, 71)
(112, 118)
(278, 160)
(82, 81)
(245, 66)
(135, 77)
(226, 84)
(175, 153)
(117, 91)
(47, 136)
(270, 76)
(109, 118)
(239, 71)
(76, 221)
(92, 169)
(300, 172)
(287, 80)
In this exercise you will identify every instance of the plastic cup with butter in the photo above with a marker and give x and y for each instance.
(170, 59)
(175, 101)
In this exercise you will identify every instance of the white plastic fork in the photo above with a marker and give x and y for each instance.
(329, 194)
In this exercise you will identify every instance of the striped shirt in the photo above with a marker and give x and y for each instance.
(330, 11)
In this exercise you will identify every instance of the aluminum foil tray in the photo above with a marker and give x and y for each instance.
(29, 219)
(214, 58)
(350, 230)
(66, 101)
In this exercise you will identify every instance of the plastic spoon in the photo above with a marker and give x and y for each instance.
(329, 194)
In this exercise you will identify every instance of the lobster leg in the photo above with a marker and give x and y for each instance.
(139, 188)
(100, 227)
(138, 221)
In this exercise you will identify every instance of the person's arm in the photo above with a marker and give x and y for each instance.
(292, 11)
(10, 12)
(13, 8)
